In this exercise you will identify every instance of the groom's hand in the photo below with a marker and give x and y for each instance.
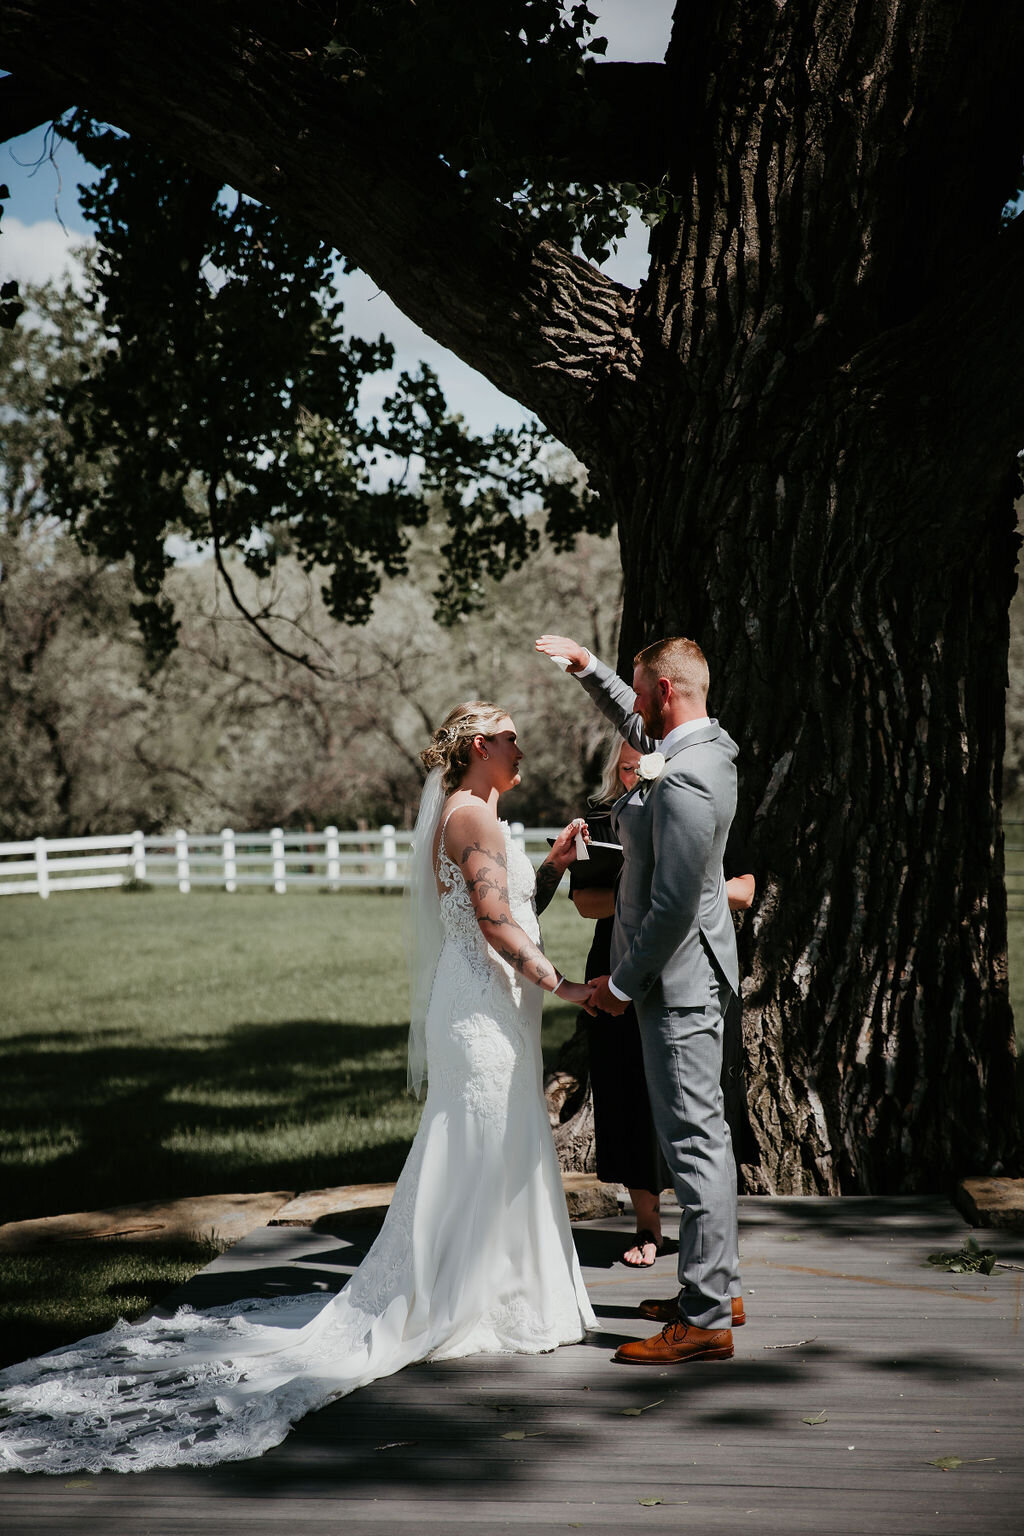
(604, 998)
(560, 645)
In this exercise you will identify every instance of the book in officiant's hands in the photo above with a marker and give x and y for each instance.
(603, 862)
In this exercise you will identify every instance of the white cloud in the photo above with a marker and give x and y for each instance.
(37, 253)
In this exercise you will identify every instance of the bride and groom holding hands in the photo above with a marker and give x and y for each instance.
(476, 1253)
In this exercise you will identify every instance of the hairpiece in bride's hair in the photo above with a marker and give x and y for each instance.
(451, 743)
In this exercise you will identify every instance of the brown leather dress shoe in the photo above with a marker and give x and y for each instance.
(667, 1311)
(677, 1344)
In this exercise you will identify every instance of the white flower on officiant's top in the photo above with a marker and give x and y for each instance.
(650, 767)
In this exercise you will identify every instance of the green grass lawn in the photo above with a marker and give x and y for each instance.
(156, 1045)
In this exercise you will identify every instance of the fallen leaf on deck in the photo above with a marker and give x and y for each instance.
(394, 1445)
(816, 1418)
(634, 1413)
(971, 1259)
(82, 1482)
(797, 1345)
(950, 1463)
(521, 1434)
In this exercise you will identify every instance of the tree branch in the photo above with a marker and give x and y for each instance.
(542, 325)
(25, 104)
(620, 127)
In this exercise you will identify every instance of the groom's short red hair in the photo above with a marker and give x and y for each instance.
(681, 661)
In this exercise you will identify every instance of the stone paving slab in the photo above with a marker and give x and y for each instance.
(232, 1217)
(993, 1203)
(227, 1217)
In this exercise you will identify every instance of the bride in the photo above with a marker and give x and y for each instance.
(476, 1253)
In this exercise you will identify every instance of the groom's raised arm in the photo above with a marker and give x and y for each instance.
(614, 698)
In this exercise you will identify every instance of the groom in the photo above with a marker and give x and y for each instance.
(673, 955)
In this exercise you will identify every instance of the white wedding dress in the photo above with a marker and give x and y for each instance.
(476, 1255)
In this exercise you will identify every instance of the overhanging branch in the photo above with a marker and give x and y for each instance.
(544, 326)
(25, 104)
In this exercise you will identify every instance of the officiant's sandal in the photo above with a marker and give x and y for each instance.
(678, 1343)
(667, 1311)
(645, 1238)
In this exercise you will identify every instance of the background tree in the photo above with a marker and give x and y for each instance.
(804, 424)
(228, 730)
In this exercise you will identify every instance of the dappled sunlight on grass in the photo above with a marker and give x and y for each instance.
(157, 1046)
(48, 1299)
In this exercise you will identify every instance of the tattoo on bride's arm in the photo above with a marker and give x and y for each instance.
(492, 853)
(548, 880)
(530, 963)
(483, 884)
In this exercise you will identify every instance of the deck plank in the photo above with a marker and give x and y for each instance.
(908, 1362)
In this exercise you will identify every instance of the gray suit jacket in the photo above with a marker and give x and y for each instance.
(671, 909)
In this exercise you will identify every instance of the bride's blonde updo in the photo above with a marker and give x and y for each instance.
(452, 742)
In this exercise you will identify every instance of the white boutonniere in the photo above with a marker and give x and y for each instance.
(650, 767)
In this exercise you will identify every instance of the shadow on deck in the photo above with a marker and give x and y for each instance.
(902, 1367)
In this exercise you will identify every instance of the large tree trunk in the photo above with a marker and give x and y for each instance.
(876, 1019)
(815, 510)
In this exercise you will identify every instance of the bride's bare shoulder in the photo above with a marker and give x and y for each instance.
(467, 821)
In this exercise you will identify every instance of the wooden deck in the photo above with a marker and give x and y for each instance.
(900, 1364)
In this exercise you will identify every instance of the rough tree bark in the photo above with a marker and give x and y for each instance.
(806, 421)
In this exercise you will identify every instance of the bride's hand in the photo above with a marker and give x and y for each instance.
(563, 849)
(577, 992)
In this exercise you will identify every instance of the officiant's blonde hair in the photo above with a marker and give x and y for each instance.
(452, 742)
(681, 661)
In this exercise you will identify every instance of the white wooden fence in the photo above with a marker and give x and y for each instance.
(283, 860)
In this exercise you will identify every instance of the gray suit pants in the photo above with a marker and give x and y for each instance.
(683, 1065)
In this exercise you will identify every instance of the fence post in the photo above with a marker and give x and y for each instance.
(333, 859)
(181, 849)
(230, 866)
(518, 832)
(389, 851)
(277, 853)
(42, 873)
(138, 856)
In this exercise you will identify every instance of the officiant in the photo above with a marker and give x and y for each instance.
(625, 1138)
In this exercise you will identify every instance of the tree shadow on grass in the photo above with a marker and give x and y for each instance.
(298, 1104)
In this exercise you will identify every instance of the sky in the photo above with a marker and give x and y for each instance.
(42, 223)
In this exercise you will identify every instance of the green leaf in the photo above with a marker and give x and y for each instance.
(650, 1503)
(970, 1259)
(636, 1412)
(816, 1418)
(950, 1463)
(522, 1434)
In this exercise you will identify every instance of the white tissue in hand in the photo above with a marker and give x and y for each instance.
(581, 847)
(562, 661)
